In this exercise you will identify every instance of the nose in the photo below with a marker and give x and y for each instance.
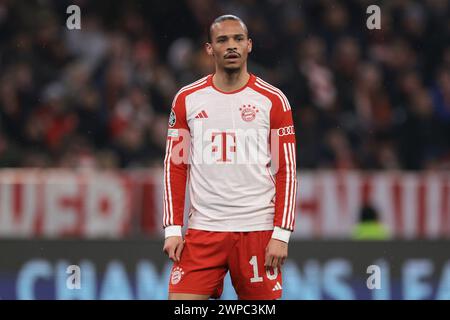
(232, 45)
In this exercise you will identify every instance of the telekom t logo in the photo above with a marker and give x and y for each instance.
(223, 146)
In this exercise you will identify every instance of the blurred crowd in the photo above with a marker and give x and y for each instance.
(100, 96)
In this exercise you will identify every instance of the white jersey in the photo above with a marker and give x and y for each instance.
(222, 144)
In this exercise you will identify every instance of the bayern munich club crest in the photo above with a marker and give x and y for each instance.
(248, 112)
(177, 273)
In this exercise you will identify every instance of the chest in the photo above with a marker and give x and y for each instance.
(228, 112)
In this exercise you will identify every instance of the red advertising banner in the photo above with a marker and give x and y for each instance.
(410, 205)
(64, 204)
(88, 204)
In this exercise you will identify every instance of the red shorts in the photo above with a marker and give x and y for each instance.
(208, 255)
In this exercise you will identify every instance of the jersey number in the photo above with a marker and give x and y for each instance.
(256, 278)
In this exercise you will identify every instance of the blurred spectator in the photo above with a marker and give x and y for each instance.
(421, 135)
(369, 226)
(441, 95)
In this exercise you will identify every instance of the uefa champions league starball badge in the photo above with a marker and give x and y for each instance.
(172, 119)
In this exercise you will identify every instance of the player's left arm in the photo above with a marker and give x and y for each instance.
(283, 146)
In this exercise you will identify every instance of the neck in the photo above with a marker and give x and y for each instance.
(230, 81)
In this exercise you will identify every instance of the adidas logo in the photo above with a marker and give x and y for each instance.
(201, 115)
(277, 287)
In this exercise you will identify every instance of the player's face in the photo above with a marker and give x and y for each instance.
(229, 45)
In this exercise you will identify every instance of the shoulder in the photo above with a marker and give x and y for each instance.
(274, 94)
(189, 89)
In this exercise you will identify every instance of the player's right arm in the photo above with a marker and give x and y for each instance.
(175, 177)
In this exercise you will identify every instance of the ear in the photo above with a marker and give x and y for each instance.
(209, 49)
(249, 45)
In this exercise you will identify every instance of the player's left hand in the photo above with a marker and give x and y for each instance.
(276, 253)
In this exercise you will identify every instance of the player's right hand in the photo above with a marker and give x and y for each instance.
(173, 247)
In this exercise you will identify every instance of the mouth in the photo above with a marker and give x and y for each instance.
(232, 56)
